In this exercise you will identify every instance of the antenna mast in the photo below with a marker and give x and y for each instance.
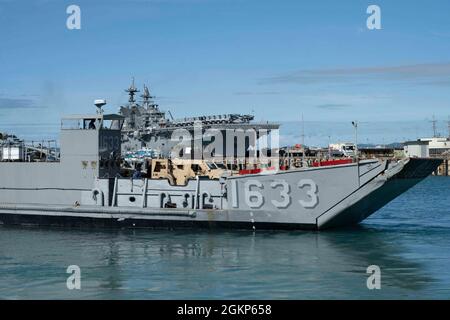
(132, 90)
(434, 122)
(148, 99)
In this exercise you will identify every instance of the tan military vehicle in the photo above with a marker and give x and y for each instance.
(178, 171)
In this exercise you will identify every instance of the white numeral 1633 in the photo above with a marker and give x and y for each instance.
(254, 198)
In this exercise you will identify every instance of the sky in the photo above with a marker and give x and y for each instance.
(276, 59)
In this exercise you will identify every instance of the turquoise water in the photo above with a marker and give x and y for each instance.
(409, 240)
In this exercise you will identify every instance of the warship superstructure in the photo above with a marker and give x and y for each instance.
(146, 126)
(86, 187)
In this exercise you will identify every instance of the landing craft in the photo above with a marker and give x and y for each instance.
(88, 186)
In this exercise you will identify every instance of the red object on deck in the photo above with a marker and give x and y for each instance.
(249, 171)
(331, 162)
(255, 171)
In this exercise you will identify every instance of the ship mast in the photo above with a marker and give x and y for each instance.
(132, 90)
(147, 99)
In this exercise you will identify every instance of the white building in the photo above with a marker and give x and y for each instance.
(12, 153)
(437, 145)
(417, 149)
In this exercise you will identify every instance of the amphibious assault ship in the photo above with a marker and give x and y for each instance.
(146, 126)
(87, 187)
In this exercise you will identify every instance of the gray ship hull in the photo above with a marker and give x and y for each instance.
(316, 199)
(413, 172)
(85, 188)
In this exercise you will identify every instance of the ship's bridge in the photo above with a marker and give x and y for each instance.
(92, 142)
(92, 122)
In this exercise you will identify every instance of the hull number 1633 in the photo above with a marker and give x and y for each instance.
(279, 194)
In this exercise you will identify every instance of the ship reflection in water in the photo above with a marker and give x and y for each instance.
(409, 242)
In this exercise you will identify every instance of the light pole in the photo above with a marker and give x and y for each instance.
(329, 147)
(303, 142)
(355, 125)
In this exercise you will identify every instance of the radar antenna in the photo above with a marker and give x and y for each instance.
(146, 95)
(148, 99)
(132, 90)
(99, 103)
